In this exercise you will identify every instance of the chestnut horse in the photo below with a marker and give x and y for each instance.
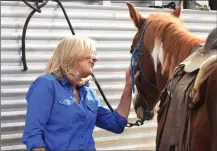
(166, 43)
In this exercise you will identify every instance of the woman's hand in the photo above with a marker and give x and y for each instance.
(39, 149)
(128, 76)
(124, 106)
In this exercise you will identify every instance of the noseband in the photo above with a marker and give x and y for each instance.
(136, 63)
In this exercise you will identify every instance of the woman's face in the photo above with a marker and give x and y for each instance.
(84, 66)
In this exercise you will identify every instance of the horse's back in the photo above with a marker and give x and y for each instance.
(204, 130)
(211, 100)
(204, 115)
(211, 92)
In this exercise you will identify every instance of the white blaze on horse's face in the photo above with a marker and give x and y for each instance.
(157, 54)
(139, 111)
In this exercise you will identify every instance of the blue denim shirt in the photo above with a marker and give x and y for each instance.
(56, 121)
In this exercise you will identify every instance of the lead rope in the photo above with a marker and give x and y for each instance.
(23, 48)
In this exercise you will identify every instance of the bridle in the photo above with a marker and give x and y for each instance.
(135, 64)
(135, 59)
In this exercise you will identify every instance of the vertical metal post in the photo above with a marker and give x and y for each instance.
(187, 4)
(156, 3)
(105, 2)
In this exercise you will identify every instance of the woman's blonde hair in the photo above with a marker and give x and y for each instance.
(67, 51)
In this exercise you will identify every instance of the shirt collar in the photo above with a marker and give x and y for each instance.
(64, 80)
(83, 89)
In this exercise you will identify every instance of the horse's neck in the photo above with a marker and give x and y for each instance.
(180, 46)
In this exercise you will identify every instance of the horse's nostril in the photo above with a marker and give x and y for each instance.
(131, 50)
(150, 116)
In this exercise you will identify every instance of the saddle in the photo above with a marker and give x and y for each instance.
(175, 112)
(205, 61)
(197, 58)
(176, 106)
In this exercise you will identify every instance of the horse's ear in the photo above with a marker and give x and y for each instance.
(134, 14)
(177, 13)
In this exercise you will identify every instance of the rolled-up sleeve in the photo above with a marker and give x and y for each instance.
(110, 121)
(39, 105)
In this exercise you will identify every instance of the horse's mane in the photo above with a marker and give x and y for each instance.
(178, 42)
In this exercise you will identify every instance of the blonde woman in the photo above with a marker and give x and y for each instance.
(62, 109)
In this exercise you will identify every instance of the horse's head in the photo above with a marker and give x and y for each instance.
(154, 76)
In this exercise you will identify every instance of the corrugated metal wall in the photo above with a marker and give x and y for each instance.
(113, 30)
(140, 3)
(144, 3)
